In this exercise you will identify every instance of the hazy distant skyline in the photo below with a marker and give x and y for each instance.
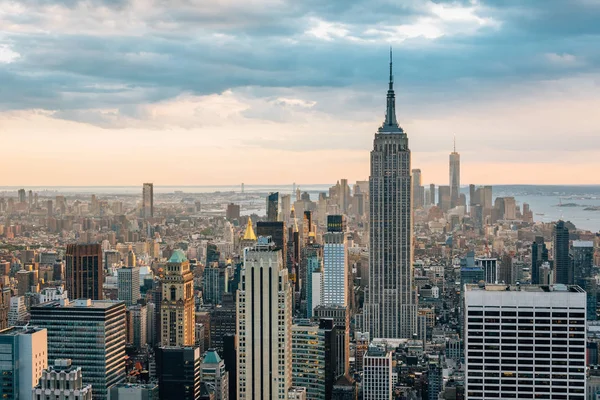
(120, 92)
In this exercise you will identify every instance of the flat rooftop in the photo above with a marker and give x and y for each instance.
(19, 330)
(93, 304)
(557, 288)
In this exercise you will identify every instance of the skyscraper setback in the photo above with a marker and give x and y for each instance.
(390, 309)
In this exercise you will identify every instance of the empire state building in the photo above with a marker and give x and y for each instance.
(390, 307)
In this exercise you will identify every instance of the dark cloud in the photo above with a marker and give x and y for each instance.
(205, 50)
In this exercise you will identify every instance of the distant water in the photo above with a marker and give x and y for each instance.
(542, 199)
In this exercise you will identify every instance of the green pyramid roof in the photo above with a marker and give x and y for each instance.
(211, 357)
(177, 257)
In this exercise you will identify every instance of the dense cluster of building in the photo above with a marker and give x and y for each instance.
(385, 289)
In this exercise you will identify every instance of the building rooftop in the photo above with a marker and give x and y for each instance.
(211, 357)
(80, 303)
(583, 243)
(177, 257)
(557, 288)
(19, 330)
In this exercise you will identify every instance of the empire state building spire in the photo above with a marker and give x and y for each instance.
(390, 124)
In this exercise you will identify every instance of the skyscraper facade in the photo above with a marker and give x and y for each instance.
(454, 177)
(74, 329)
(84, 272)
(179, 373)
(273, 207)
(23, 357)
(418, 189)
(525, 341)
(264, 325)
(148, 200)
(335, 262)
(177, 308)
(128, 285)
(377, 373)
(390, 308)
(563, 273)
(539, 255)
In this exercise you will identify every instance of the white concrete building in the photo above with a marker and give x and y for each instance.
(128, 283)
(525, 341)
(377, 373)
(264, 324)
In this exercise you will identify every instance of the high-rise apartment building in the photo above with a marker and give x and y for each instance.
(454, 177)
(21, 195)
(377, 373)
(128, 285)
(273, 207)
(390, 306)
(264, 325)
(444, 199)
(148, 200)
(178, 371)
(232, 212)
(74, 329)
(23, 357)
(525, 341)
(335, 262)
(563, 272)
(177, 307)
(84, 271)
(62, 381)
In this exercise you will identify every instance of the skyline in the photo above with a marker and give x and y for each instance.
(295, 84)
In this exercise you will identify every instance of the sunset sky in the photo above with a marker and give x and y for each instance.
(199, 92)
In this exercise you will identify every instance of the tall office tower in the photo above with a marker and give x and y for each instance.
(313, 359)
(273, 207)
(128, 285)
(84, 272)
(489, 267)
(148, 200)
(21, 194)
(563, 273)
(418, 190)
(286, 208)
(177, 308)
(214, 283)
(178, 371)
(24, 356)
(432, 194)
(344, 196)
(473, 198)
(276, 230)
(30, 199)
(137, 325)
(61, 382)
(335, 262)
(444, 200)
(213, 373)
(232, 212)
(583, 260)
(377, 373)
(264, 325)
(311, 274)
(341, 319)
(293, 256)
(454, 177)
(222, 322)
(73, 332)
(49, 208)
(230, 348)
(539, 255)
(525, 341)
(390, 307)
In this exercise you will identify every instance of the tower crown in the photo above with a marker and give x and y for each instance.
(390, 124)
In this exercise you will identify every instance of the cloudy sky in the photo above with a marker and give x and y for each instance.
(205, 92)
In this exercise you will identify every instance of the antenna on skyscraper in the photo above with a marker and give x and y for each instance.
(455, 143)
